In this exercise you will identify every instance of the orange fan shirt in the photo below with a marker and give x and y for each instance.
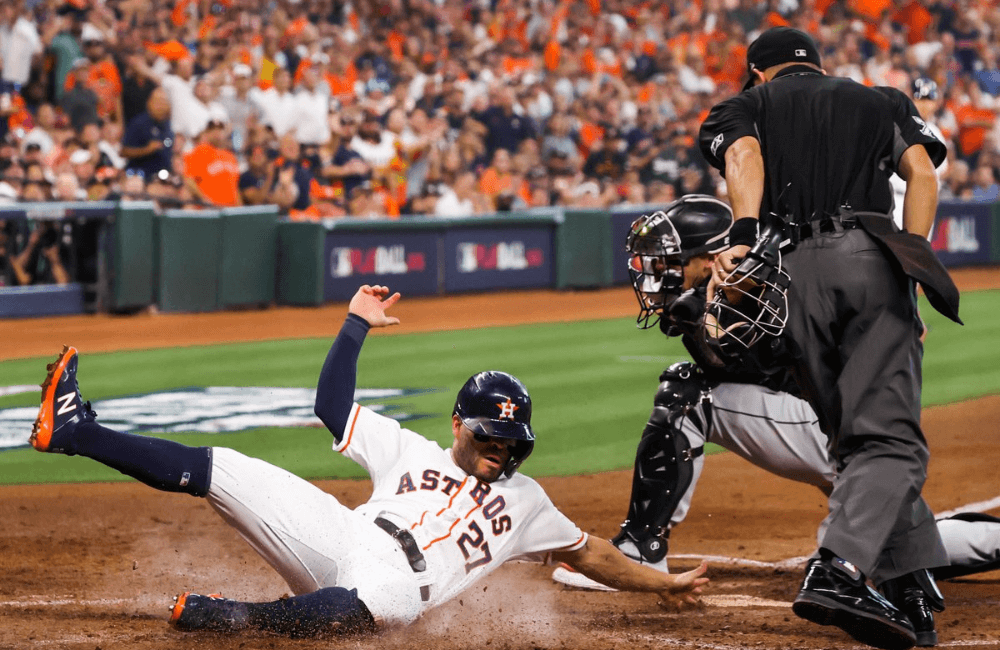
(216, 173)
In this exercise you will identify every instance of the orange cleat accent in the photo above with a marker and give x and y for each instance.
(41, 432)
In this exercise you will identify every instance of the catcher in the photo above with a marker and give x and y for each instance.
(748, 407)
(438, 520)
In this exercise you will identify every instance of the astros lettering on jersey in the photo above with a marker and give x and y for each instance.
(465, 527)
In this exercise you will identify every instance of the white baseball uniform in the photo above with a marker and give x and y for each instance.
(780, 433)
(464, 527)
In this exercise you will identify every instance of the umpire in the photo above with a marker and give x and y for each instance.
(818, 151)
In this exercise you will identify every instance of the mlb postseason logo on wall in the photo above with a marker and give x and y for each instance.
(216, 409)
(963, 233)
(479, 259)
(500, 256)
(407, 262)
(379, 260)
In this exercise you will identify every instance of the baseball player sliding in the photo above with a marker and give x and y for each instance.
(744, 408)
(438, 519)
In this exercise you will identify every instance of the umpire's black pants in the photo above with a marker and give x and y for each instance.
(854, 326)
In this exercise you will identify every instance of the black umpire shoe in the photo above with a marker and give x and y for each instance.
(835, 592)
(918, 603)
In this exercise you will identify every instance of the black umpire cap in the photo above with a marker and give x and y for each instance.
(780, 45)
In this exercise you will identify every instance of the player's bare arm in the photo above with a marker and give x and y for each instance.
(601, 561)
(371, 303)
(921, 198)
(745, 183)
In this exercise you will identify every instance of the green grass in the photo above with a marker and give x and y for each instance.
(592, 384)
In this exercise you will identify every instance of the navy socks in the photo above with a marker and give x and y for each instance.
(162, 464)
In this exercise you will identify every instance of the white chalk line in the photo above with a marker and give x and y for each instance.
(790, 563)
(706, 645)
(981, 506)
(42, 601)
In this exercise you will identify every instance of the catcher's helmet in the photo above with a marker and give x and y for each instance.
(659, 245)
(496, 404)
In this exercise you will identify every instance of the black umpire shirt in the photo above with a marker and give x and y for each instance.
(828, 142)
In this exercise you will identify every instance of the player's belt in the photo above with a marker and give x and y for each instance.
(410, 548)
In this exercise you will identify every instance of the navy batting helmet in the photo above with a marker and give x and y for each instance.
(495, 404)
(659, 245)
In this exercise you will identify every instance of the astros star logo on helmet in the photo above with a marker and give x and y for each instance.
(507, 409)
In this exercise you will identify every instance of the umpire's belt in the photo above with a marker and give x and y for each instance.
(410, 548)
(835, 223)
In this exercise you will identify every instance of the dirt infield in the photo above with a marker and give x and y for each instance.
(94, 566)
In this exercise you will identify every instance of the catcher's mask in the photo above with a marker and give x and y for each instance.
(659, 246)
(497, 405)
(751, 304)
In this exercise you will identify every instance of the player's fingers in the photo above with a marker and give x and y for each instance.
(391, 320)
(391, 300)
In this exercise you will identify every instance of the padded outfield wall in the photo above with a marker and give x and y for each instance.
(209, 260)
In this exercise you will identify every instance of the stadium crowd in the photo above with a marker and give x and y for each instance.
(330, 108)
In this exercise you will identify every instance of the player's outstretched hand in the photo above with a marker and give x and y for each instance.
(686, 588)
(371, 304)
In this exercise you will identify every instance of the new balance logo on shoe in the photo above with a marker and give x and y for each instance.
(66, 403)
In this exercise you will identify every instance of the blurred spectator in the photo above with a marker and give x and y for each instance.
(149, 139)
(448, 87)
(41, 261)
(293, 170)
(40, 134)
(188, 111)
(242, 110)
(63, 37)
(500, 184)
(278, 106)
(79, 101)
(956, 181)
(211, 171)
(346, 168)
(363, 202)
(101, 75)
(256, 182)
(557, 139)
(67, 188)
(11, 272)
(133, 187)
(608, 161)
(11, 180)
(375, 145)
(984, 184)
(462, 200)
(424, 202)
(20, 42)
(136, 86)
(505, 129)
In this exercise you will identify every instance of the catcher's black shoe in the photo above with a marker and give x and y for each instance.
(918, 602)
(62, 405)
(192, 612)
(835, 592)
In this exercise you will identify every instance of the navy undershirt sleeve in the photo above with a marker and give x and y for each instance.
(337, 379)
